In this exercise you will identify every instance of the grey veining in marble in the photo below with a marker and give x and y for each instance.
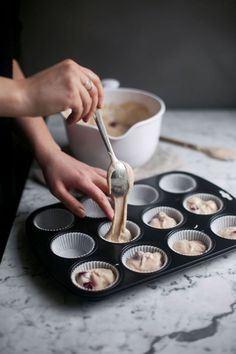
(193, 311)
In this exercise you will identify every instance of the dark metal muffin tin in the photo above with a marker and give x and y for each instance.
(60, 268)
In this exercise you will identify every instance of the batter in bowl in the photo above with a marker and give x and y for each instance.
(118, 232)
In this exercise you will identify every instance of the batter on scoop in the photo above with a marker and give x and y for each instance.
(118, 232)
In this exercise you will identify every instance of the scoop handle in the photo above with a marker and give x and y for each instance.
(101, 127)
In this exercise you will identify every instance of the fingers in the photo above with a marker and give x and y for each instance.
(95, 193)
(97, 82)
(69, 201)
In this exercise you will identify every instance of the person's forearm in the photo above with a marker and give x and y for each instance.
(11, 99)
(35, 129)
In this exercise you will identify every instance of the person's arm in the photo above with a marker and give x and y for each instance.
(61, 171)
(62, 86)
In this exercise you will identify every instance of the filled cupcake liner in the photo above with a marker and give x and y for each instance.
(144, 248)
(221, 223)
(142, 194)
(171, 212)
(72, 245)
(190, 235)
(92, 209)
(177, 183)
(87, 266)
(131, 226)
(54, 219)
(204, 197)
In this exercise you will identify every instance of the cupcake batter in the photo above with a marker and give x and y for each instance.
(199, 206)
(145, 261)
(189, 247)
(118, 118)
(228, 232)
(162, 221)
(95, 279)
(118, 232)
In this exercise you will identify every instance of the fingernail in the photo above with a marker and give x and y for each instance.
(82, 213)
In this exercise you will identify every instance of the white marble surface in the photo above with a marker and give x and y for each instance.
(193, 311)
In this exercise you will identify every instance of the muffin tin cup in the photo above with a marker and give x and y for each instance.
(219, 224)
(190, 235)
(134, 229)
(177, 183)
(142, 194)
(205, 197)
(143, 248)
(88, 266)
(54, 219)
(171, 212)
(92, 209)
(72, 245)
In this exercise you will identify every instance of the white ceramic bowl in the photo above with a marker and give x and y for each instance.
(136, 146)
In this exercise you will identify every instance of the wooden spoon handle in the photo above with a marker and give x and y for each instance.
(179, 142)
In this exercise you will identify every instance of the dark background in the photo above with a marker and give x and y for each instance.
(182, 50)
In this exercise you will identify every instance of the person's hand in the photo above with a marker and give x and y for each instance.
(62, 86)
(63, 173)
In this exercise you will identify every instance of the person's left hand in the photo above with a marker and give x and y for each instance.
(64, 173)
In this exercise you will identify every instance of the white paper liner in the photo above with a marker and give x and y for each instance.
(142, 194)
(171, 212)
(177, 183)
(144, 248)
(54, 219)
(92, 209)
(190, 235)
(131, 226)
(204, 197)
(86, 266)
(221, 223)
(72, 245)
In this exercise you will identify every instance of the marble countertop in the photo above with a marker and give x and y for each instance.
(193, 311)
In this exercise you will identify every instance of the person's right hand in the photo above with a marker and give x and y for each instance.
(62, 86)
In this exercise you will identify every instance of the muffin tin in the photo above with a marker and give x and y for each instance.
(67, 244)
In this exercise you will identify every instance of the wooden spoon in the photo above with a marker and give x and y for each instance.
(220, 153)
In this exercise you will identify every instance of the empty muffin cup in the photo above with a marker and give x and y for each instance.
(104, 277)
(54, 219)
(180, 242)
(72, 245)
(177, 183)
(141, 266)
(92, 209)
(133, 228)
(225, 226)
(167, 223)
(203, 204)
(142, 194)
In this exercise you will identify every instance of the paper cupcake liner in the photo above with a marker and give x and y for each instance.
(190, 235)
(177, 183)
(144, 248)
(131, 226)
(204, 197)
(171, 212)
(87, 266)
(53, 219)
(72, 245)
(142, 194)
(221, 223)
(92, 209)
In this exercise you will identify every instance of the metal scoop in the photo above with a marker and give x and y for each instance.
(119, 176)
